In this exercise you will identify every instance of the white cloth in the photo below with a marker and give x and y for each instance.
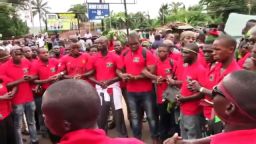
(82, 44)
(40, 42)
(88, 35)
(117, 94)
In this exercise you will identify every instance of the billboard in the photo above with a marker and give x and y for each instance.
(61, 21)
(98, 11)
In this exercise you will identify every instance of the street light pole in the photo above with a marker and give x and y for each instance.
(102, 22)
(126, 18)
(249, 5)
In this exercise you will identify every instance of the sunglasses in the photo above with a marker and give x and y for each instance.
(216, 92)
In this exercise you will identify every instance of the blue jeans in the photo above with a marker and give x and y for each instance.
(29, 109)
(144, 100)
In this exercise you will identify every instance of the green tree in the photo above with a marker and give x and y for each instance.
(163, 13)
(222, 8)
(10, 24)
(81, 10)
(176, 6)
(135, 20)
(40, 7)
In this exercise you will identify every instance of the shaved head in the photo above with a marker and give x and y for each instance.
(102, 38)
(227, 41)
(241, 86)
(70, 105)
(134, 41)
(133, 35)
(192, 46)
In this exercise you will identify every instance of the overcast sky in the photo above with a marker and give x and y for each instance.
(150, 6)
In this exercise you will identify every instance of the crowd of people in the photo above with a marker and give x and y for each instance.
(191, 84)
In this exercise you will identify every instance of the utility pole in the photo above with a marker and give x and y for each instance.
(249, 5)
(126, 18)
(102, 21)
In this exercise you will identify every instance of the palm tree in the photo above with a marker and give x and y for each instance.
(163, 12)
(40, 7)
(81, 10)
(175, 6)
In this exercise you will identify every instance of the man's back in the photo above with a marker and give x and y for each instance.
(94, 136)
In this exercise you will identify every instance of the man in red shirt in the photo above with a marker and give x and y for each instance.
(234, 102)
(76, 64)
(4, 57)
(122, 49)
(165, 69)
(19, 70)
(104, 66)
(46, 70)
(6, 120)
(55, 53)
(190, 109)
(223, 53)
(139, 88)
(72, 113)
(245, 52)
(28, 53)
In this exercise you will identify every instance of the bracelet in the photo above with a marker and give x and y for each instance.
(201, 89)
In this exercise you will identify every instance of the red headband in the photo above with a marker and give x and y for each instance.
(230, 98)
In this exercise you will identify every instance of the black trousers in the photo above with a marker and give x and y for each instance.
(118, 117)
(7, 131)
(167, 125)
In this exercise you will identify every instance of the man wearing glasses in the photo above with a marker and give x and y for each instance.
(234, 102)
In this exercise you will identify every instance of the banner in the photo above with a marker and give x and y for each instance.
(61, 21)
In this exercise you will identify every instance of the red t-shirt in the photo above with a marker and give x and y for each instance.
(191, 72)
(74, 66)
(44, 71)
(235, 137)
(175, 56)
(201, 59)
(164, 69)
(105, 66)
(134, 63)
(5, 105)
(179, 65)
(16, 72)
(218, 75)
(94, 136)
(243, 59)
(208, 82)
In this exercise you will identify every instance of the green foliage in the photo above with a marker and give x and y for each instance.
(121, 36)
(10, 24)
(194, 15)
(134, 20)
(222, 8)
(81, 9)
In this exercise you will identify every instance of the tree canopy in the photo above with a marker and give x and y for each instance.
(10, 24)
(81, 10)
(222, 8)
